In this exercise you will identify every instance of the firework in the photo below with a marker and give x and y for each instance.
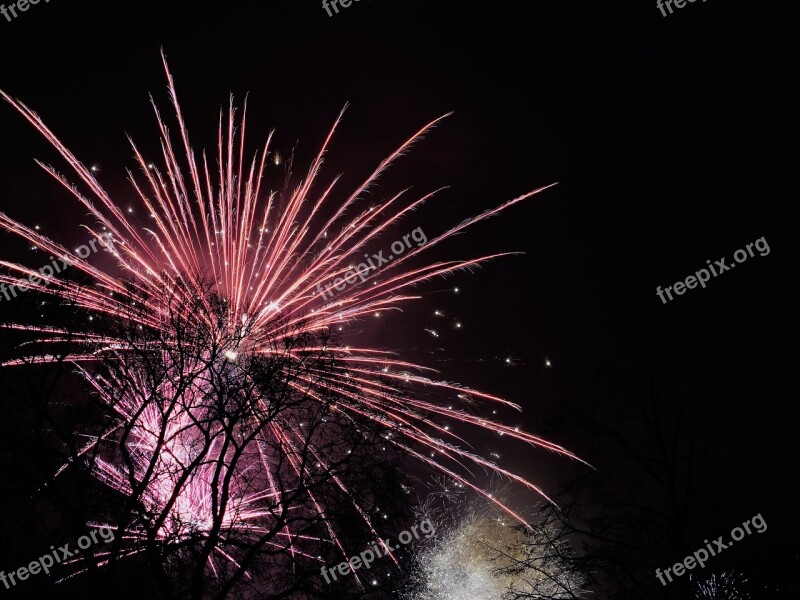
(481, 553)
(266, 255)
(728, 585)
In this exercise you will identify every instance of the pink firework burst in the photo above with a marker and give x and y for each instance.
(266, 257)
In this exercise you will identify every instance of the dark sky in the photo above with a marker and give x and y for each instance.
(671, 139)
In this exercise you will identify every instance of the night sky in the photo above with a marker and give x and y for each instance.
(671, 140)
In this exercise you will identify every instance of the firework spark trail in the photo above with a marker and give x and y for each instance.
(267, 260)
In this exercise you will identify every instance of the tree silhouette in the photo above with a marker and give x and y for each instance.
(662, 453)
(226, 473)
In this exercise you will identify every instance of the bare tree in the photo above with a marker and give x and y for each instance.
(662, 452)
(541, 561)
(229, 468)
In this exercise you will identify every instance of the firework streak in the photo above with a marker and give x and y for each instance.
(266, 255)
